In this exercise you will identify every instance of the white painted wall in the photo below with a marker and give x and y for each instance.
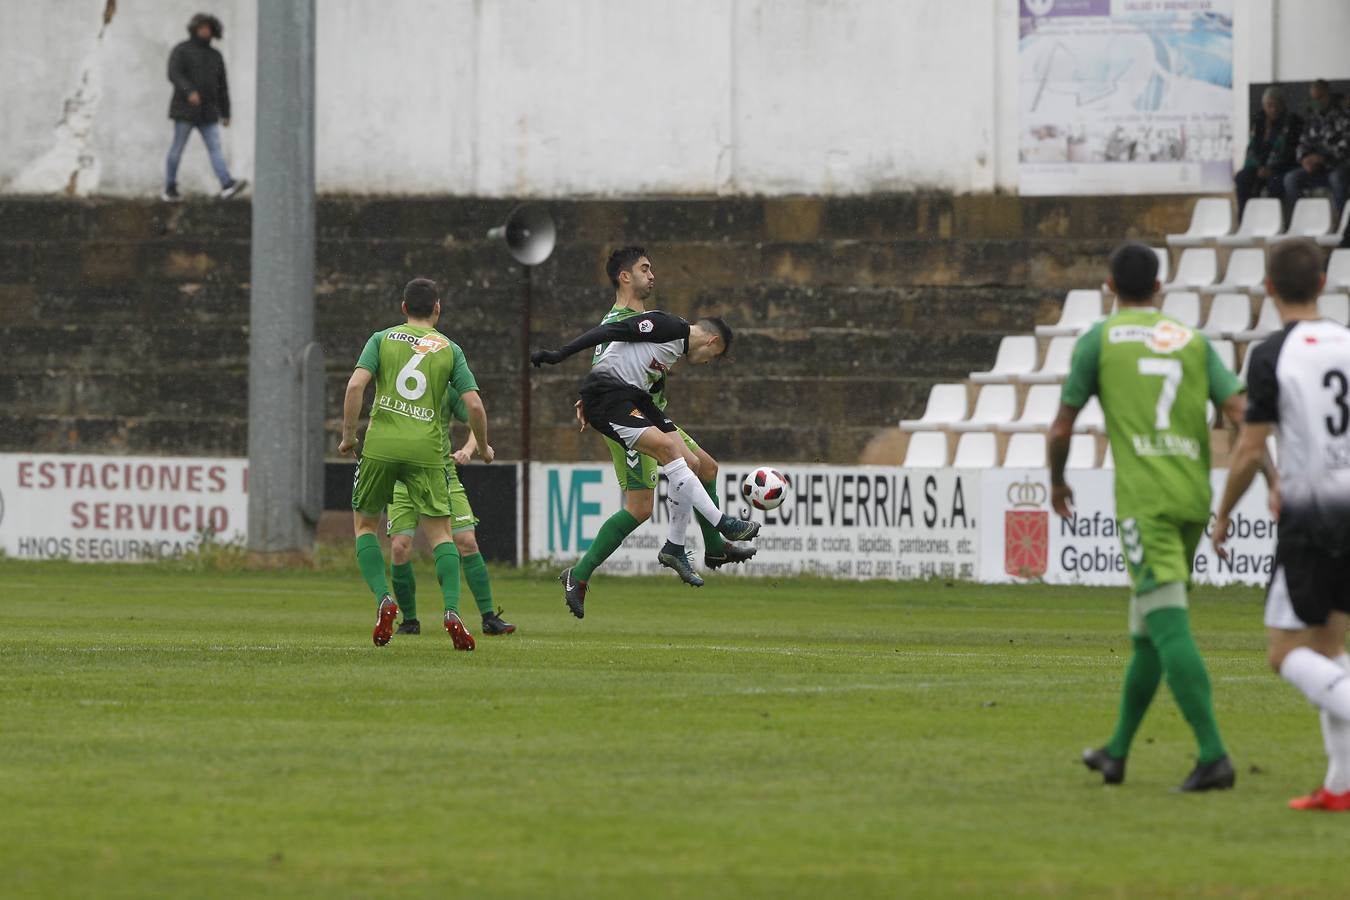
(604, 97)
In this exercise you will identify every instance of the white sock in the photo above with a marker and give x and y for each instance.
(1321, 680)
(680, 498)
(1336, 737)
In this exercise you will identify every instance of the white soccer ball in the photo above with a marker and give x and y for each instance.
(765, 488)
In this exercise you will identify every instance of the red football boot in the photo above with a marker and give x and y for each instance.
(1322, 799)
(384, 622)
(459, 635)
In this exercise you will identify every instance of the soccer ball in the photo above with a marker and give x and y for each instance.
(765, 488)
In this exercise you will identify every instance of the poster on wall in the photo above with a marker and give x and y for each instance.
(1125, 96)
(118, 509)
(840, 522)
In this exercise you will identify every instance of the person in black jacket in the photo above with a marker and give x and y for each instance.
(201, 99)
(1270, 150)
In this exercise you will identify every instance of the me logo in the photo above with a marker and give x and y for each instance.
(567, 515)
(1026, 530)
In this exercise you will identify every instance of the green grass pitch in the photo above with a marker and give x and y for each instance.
(168, 733)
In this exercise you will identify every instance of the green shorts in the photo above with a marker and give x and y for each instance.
(1158, 551)
(636, 471)
(373, 487)
(403, 515)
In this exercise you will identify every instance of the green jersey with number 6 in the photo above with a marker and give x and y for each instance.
(1154, 376)
(414, 367)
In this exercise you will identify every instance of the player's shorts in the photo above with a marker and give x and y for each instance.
(403, 515)
(1307, 585)
(1158, 551)
(622, 412)
(637, 471)
(373, 487)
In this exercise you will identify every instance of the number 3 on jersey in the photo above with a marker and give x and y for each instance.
(412, 381)
(1170, 370)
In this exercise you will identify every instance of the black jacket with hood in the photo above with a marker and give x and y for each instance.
(194, 65)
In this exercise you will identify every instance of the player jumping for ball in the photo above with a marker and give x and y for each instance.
(616, 400)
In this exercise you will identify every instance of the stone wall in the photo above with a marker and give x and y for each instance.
(124, 324)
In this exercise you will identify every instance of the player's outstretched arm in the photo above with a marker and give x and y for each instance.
(648, 328)
(1057, 449)
(478, 425)
(351, 409)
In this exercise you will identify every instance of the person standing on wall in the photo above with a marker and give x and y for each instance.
(201, 100)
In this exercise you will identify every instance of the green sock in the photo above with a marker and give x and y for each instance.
(447, 573)
(476, 574)
(405, 588)
(616, 528)
(1170, 631)
(371, 563)
(713, 543)
(1141, 682)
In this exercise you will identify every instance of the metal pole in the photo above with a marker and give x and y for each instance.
(285, 365)
(527, 302)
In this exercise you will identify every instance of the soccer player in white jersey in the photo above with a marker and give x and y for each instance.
(616, 401)
(1298, 386)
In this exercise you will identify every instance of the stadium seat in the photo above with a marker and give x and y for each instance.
(1246, 361)
(1108, 462)
(1311, 219)
(1335, 307)
(1336, 237)
(1267, 321)
(1210, 218)
(996, 404)
(1026, 451)
(1082, 452)
(1090, 418)
(1055, 367)
(1164, 264)
(926, 450)
(1246, 273)
(947, 403)
(1038, 411)
(1197, 267)
(978, 450)
(1338, 271)
(1081, 308)
(1228, 314)
(1184, 306)
(1226, 351)
(1261, 219)
(1016, 354)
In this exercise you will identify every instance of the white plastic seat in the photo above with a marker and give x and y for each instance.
(1038, 411)
(1338, 270)
(1055, 368)
(996, 404)
(977, 450)
(1108, 461)
(1184, 306)
(1082, 452)
(1025, 451)
(1335, 307)
(1247, 361)
(1311, 218)
(1334, 239)
(1246, 273)
(1090, 419)
(1211, 217)
(926, 450)
(947, 403)
(1228, 314)
(1016, 354)
(1261, 220)
(1267, 321)
(1226, 351)
(1081, 308)
(1164, 264)
(1197, 267)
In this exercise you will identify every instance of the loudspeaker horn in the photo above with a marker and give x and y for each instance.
(529, 234)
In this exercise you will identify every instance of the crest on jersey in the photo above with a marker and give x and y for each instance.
(645, 326)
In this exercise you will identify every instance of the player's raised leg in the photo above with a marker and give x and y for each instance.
(716, 551)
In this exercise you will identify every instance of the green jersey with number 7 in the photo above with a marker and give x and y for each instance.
(1154, 376)
(413, 366)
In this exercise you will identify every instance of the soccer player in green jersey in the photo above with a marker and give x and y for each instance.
(630, 271)
(403, 518)
(413, 366)
(1154, 376)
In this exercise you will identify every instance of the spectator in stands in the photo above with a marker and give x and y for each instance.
(201, 100)
(1324, 150)
(1270, 150)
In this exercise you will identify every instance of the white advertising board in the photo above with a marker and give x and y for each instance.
(846, 522)
(118, 508)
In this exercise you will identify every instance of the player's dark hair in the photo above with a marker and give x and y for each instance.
(1295, 270)
(622, 260)
(1134, 269)
(1321, 85)
(421, 295)
(719, 328)
(200, 19)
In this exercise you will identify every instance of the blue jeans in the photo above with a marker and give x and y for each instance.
(211, 136)
(1299, 180)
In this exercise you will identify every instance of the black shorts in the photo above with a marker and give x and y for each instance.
(622, 412)
(1308, 583)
